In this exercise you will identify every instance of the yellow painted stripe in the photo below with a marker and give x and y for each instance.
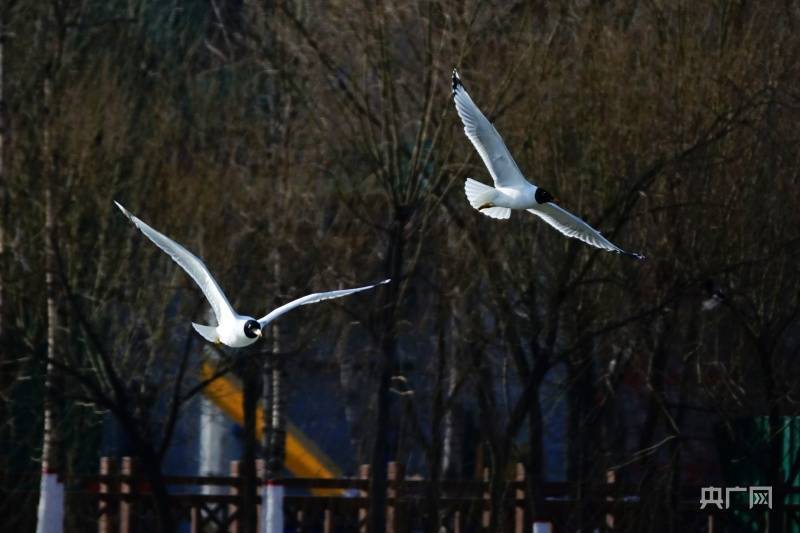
(300, 460)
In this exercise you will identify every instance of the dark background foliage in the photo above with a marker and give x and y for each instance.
(302, 146)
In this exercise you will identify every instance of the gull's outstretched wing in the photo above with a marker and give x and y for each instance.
(191, 264)
(310, 299)
(487, 141)
(572, 226)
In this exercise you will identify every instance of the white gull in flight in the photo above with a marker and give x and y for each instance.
(233, 329)
(511, 190)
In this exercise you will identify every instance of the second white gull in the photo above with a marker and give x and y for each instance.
(232, 329)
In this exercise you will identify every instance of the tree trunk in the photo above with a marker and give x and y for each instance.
(655, 500)
(251, 383)
(452, 437)
(274, 392)
(775, 429)
(497, 488)
(534, 474)
(155, 477)
(433, 495)
(276, 440)
(275, 399)
(3, 193)
(351, 383)
(380, 450)
(582, 442)
(50, 514)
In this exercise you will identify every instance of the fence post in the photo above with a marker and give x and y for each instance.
(104, 521)
(486, 515)
(363, 473)
(234, 508)
(195, 519)
(611, 478)
(261, 498)
(520, 503)
(395, 473)
(127, 489)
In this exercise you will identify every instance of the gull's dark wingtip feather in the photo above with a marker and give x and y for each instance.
(456, 81)
(635, 255)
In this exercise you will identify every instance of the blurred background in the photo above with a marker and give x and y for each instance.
(299, 146)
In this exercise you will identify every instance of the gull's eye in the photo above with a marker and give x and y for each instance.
(250, 328)
(542, 196)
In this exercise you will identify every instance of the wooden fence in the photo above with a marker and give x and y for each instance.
(120, 501)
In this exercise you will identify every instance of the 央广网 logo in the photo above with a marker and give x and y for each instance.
(714, 496)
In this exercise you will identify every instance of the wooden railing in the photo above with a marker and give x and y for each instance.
(123, 503)
(124, 499)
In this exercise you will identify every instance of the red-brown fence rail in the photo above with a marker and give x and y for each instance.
(120, 501)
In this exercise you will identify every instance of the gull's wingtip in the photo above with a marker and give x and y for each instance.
(456, 80)
(124, 211)
(635, 255)
(384, 282)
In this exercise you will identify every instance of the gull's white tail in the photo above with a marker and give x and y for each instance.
(480, 194)
(208, 332)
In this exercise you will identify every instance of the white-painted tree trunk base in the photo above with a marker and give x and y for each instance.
(272, 508)
(542, 527)
(50, 515)
(212, 441)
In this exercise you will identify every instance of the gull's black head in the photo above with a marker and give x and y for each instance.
(252, 329)
(542, 196)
